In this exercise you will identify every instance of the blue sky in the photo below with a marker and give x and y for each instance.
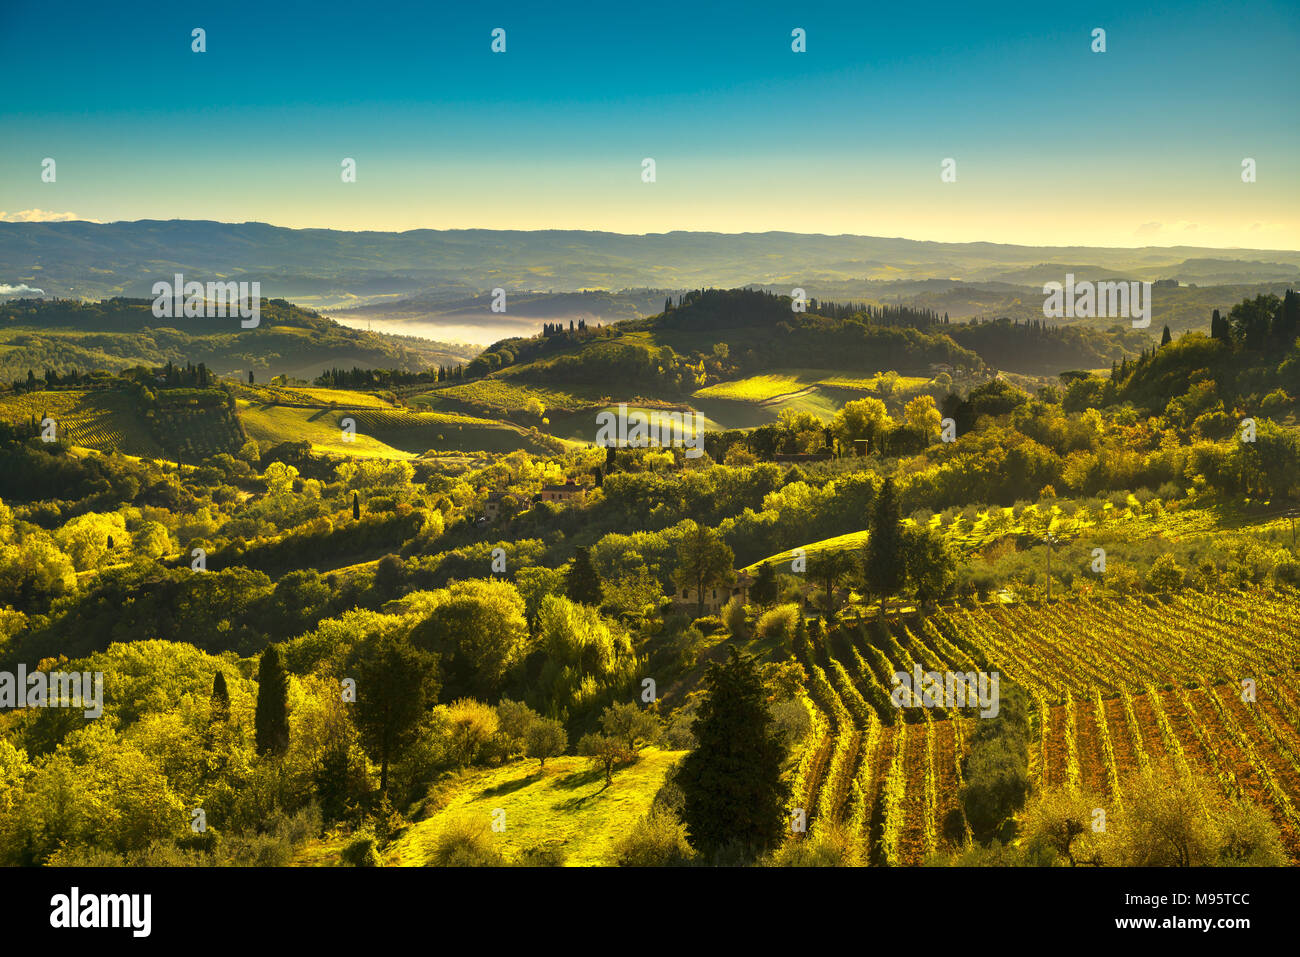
(1054, 144)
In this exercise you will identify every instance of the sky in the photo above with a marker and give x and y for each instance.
(1053, 143)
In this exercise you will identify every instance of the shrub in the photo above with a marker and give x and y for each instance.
(465, 842)
(657, 840)
(1166, 575)
(779, 624)
(1287, 572)
(792, 720)
(733, 616)
(826, 848)
(542, 855)
(362, 852)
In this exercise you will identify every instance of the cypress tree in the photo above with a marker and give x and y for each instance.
(271, 720)
(763, 591)
(219, 703)
(883, 569)
(1166, 338)
(731, 783)
(356, 507)
(583, 584)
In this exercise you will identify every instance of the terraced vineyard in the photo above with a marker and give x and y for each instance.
(1117, 684)
(104, 420)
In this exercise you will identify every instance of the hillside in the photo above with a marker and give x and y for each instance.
(328, 268)
(67, 335)
(565, 809)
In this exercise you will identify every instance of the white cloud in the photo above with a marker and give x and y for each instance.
(41, 216)
(20, 289)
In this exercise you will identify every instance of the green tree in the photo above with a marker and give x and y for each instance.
(271, 719)
(884, 568)
(632, 725)
(860, 419)
(219, 707)
(583, 583)
(545, 738)
(763, 591)
(931, 566)
(396, 684)
(703, 561)
(605, 752)
(1252, 320)
(471, 725)
(478, 631)
(731, 783)
(829, 567)
(1166, 575)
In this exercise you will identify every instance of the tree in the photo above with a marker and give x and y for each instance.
(1252, 320)
(883, 568)
(731, 783)
(250, 376)
(1220, 328)
(271, 719)
(604, 752)
(1166, 575)
(1166, 337)
(703, 561)
(219, 703)
(763, 591)
(514, 720)
(828, 568)
(931, 567)
(630, 724)
(860, 419)
(396, 684)
(583, 583)
(545, 738)
(356, 507)
(478, 630)
(471, 725)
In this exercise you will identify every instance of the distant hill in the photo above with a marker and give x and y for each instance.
(332, 268)
(66, 335)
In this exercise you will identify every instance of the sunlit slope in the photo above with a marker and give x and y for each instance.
(107, 421)
(567, 807)
(388, 433)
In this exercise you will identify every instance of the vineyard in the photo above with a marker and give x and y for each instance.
(104, 420)
(1205, 681)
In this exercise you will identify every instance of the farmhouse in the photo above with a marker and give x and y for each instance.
(715, 597)
(570, 491)
(492, 507)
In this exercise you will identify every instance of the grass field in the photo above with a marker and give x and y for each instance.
(582, 427)
(757, 388)
(566, 806)
(382, 433)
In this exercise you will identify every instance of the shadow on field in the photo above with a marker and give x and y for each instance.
(510, 786)
(579, 779)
